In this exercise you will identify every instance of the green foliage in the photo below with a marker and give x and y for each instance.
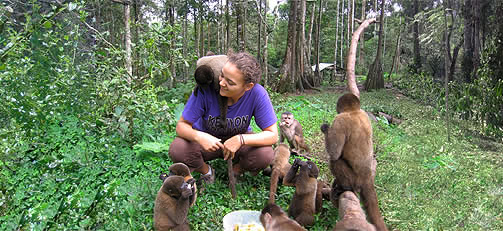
(480, 100)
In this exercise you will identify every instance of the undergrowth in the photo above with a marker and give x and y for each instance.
(76, 179)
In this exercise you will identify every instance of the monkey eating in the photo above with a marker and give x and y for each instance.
(180, 169)
(351, 215)
(348, 142)
(274, 219)
(291, 129)
(172, 204)
(303, 204)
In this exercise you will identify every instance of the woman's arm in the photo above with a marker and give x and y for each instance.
(268, 136)
(208, 142)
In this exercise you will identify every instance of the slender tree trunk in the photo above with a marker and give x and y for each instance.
(310, 32)
(446, 76)
(384, 35)
(350, 19)
(342, 33)
(317, 45)
(375, 78)
(259, 48)
(308, 80)
(417, 53)
(129, 66)
(336, 40)
(227, 26)
(239, 26)
(396, 57)
(185, 35)
(201, 29)
(172, 64)
(245, 17)
(266, 40)
(196, 33)
(361, 54)
(136, 24)
(208, 36)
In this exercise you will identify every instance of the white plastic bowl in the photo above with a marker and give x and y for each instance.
(241, 217)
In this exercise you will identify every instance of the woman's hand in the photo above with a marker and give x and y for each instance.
(231, 146)
(208, 142)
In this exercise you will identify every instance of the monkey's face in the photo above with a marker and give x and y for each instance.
(232, 83)
(286, 120)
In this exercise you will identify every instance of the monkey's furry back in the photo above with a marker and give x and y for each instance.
(208, 69)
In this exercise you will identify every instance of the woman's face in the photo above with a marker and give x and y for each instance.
(232, 83)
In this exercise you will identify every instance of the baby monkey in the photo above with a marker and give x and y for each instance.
(291, 129)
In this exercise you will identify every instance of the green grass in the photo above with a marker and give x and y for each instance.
(424, 182)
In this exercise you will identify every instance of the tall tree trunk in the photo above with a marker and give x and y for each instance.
(259, 48)
(317, 45)
(196, 33)
(129, 66)
(342, 33)
(136, 23)
(172, 64)
(307, 74)
(239, 26)
(417, 54)
(266, 40)
(300, 45)
(310, 32)
(227, 26)
(336, 40)
(208, 36)
(361, 54)
(185, 35)
(375, 78)
(287, 71)
(396, 57)
(201, 29)
(446, 76)
(243, 20)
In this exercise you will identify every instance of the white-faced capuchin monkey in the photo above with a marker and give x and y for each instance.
(274, 219)
(280, 167)
(172, 204)
(351, 215)
(291, 129)
(207, 72)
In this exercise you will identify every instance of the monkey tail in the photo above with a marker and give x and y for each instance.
(369, 196)
(274, 184)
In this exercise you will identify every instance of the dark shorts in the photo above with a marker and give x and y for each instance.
(250, 158)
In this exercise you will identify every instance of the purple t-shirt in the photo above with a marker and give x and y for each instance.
(203, 112)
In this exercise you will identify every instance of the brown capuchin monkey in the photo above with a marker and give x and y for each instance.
(351, 215)
(291, 129)
(274, 219)
(280, 167)
(180, 169)
(349, 144)
(172, 204)
(303, 204)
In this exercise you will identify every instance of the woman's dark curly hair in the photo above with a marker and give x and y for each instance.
(248, 65)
